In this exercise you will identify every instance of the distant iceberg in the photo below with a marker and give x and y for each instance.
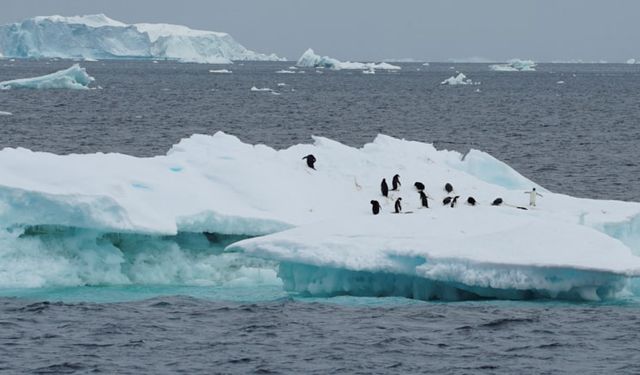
(74, 77)
(515, 65)
(309, 59)
(100, 37)
(631, 61)
(460, 79)
(222, 71)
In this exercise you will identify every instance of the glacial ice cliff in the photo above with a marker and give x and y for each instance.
(100, 37)
(214, 205)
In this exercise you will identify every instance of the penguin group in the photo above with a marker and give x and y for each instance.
(449, 200)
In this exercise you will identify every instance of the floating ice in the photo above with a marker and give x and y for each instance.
(112, 218)
(4, 113)
(285, 71)
(310, 60)
(631, 61)
(460, 79)
(222, 71)
(425, 64)
(515, 65)
(74, 77)
(560, 82)
(262, 89)
(100, 37)
(370, 71)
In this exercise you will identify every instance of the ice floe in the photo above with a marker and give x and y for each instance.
(316, 226)
(74, 77)
(309, 59)
(515, 65)
(459, 79)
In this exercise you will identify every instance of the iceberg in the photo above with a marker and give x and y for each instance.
(515, 65)
(220, 71)
(74, 77)
(215, 210)
(309, 59)
(100, 37)
(631, 61)
(460, 79)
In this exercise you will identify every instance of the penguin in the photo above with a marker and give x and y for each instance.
(446, 201)
(454, 201)
(448, 187)
(497, 202)
(384, 187)
(397, 206)
(419, 186)
(424, 199)
(375, 207)
(311, 160)
(395, 183)
(471, 201)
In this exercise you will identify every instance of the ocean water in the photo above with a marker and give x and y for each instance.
(579, 137)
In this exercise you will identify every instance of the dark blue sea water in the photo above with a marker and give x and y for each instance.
(579, 137)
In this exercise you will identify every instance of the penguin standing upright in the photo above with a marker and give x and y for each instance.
(375, 207)
(398, 206)
(454, 201)
(384, 187)
(533, 194)
(395, 183)
(423, 199)
(448, 187)
(311, 160)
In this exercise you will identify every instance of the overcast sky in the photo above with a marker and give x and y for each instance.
(544, 30)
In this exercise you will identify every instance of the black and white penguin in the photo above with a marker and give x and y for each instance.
(423, 199)
(446, 201)
(311, 160)
(448, 187)
(398, 207)
(454, 201)
(375, 207)
(471, 201)
(395, 183)
(384, 187)
(419, 186)
(497, 202)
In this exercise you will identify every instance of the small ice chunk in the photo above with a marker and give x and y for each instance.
(460, 79)
(220, 71)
